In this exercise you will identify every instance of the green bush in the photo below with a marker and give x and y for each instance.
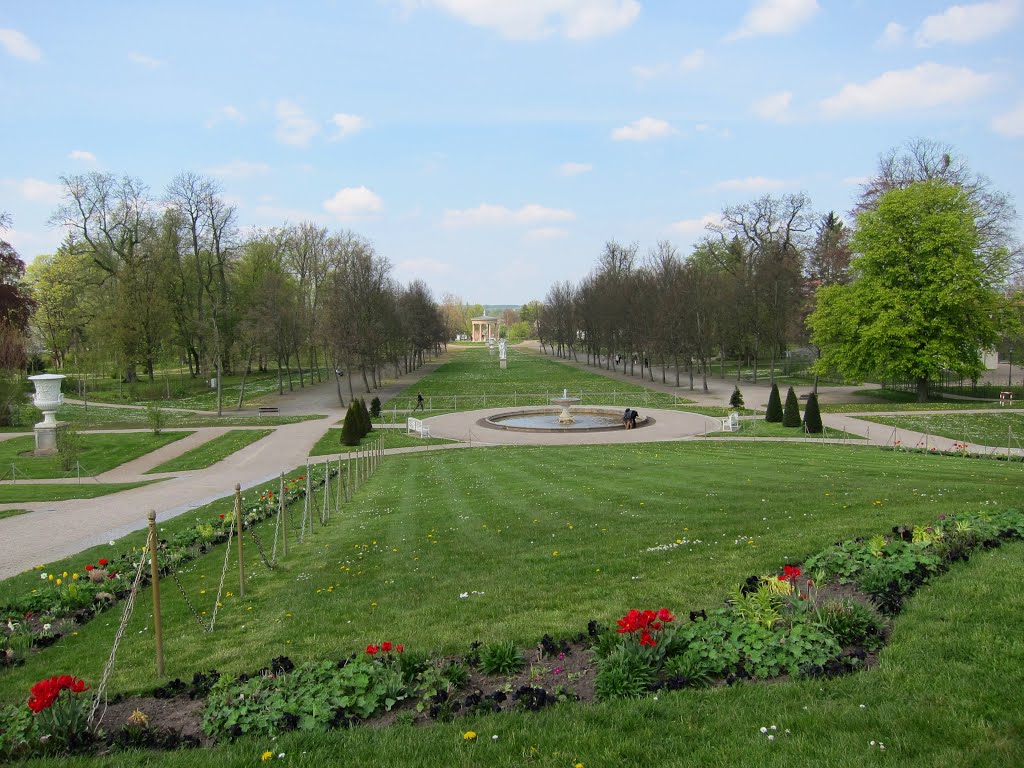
(774, 411)
(69, 447)
(791, 416)
(736, 401)
(351, 430)
(623, 674)
(156, 417)
(812, 416)
(364, 417)
(375, 407)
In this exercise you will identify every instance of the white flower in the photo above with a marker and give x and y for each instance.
(280, 755)
(42, 576)
(494, 737)
(464, 595)
(775, 728)
(112, 543)
(763, 729)
(863, 706)
(771, 737)
(46, 627)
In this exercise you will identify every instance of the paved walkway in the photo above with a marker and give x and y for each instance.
(52, 530)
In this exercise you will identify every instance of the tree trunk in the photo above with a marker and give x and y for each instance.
(241, 391)
(922, 389)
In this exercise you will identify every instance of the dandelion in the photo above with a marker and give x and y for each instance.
(267, 755)
(469, 736)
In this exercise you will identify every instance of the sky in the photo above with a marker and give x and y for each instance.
(492, 147)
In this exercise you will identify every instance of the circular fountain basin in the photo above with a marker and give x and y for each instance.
(547, 420)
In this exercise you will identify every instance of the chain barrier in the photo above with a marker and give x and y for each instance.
(207, 626)
(129, 606)
(271, 563)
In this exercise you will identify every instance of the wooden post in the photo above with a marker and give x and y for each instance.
(309, 502)
(284, 516)
(338, 489)
(154, 566)
(238, 533)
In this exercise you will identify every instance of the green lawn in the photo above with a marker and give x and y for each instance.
(212, 451)
(544, 539)
(331, 443)
(181, 391)
(18, 493)
(472, 380)
(11, 512)
(758, 427)
(894, 400)
(993, 429)
(114, 417)
(100, 452)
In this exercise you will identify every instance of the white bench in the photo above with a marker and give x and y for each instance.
(417, 426)
(732, 424)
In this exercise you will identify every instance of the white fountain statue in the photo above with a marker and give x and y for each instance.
(565, 417)
(502, 353)
(48, 399)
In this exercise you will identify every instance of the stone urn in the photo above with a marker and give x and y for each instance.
(48, 399)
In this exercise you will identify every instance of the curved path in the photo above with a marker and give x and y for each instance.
(52, 530)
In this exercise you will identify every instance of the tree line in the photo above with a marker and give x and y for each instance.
(923, 284)
(141, 281)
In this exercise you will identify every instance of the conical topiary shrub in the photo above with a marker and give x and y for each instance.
(774, 412)
(351, 430)
(736, 401)
(365, 415)
(791, 416)
(812, 416)
(375, 407)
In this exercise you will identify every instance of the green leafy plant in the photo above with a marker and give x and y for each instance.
(623, 673)
(852, 623)
(501, 658)
(375, 407)
(69, 447)
(688, 670)
(351, 430)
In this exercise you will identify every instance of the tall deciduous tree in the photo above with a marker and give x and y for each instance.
(923, 297)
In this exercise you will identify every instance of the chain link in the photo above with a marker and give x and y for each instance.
(202, 623)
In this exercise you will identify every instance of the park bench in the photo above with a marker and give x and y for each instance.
(731, 424)
(417, 426)
(268, 410)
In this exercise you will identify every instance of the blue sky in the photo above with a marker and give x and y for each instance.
(491, 147)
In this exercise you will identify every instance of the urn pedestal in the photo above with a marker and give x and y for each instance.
(48, 399)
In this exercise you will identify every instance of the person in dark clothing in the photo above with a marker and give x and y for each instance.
(625, 417)
(419, 402)
(632, 419)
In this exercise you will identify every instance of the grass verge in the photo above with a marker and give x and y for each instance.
(212, 451)
(22, 492)
(99, 453)
(331, 443)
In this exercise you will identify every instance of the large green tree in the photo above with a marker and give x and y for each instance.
(922, 298)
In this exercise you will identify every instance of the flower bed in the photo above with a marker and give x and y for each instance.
(828, 617)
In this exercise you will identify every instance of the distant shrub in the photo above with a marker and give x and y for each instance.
(736, 401)
(812, 416)
(791, 416)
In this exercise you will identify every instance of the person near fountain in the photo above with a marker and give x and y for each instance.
(627, 421)
(632, 419)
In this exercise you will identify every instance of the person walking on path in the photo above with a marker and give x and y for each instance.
(419, 402)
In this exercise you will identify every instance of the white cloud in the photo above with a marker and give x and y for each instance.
(351, 202)
(641, 72)
(293, 125)
(692, 61)
(774, 17)
(19, 46)
(535, 19)
(926, 85)
(856, 181)
(1010, 124)
(34, 190)
(424, 266)
(750, 184)
(144, 60)
(238, 169)
(226, 114)
(893, 35)
(486, 214)
(347, 125)
(967, 23)
(574, 169)
(82, 155)
(546, 233)
(774, 106)
(695, 226)
(643, 129)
